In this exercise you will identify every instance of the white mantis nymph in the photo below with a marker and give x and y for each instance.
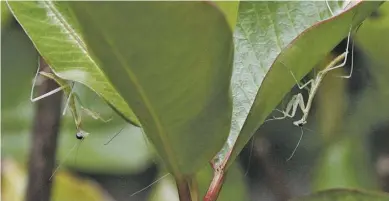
(297, 101)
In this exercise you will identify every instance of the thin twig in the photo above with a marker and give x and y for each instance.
(43, 140)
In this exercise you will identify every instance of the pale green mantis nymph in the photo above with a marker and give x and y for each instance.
(297, 101)
(72, 98)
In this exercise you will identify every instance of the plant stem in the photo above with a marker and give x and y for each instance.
(218, 178)
(183, 189)
(215, 187)
(43, 140)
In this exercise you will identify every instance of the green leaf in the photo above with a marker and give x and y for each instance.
(345, 195)
(373, 33)
(230, 10)
(56, 37)
(6, 16)
(270, 35)
(172, 62)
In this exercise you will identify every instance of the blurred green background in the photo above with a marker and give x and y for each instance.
(348, 145)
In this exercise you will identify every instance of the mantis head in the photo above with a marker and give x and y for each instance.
(300, 122)
(80, 135)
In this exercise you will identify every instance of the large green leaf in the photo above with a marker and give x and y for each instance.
(345, 195)
(172, 63)
(56, 37)
(270, 35)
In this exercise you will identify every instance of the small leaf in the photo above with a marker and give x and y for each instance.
(345, 195)
(172, 62)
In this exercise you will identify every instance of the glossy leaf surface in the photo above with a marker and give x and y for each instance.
(172, 64)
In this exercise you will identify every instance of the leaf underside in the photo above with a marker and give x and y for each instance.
(166, 65)
(271, 37)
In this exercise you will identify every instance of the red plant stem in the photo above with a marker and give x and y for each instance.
(217, 180)
(215, 187)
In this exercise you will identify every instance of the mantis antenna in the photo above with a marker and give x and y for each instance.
(114, 136)
(148, 186)
(80, 135)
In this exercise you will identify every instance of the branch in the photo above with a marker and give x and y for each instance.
(44, 140)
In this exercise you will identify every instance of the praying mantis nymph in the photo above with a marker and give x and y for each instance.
(298, 99)
(67, 88)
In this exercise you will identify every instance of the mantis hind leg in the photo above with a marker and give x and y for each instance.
(333, 67)
(89, 112)
(95, 115)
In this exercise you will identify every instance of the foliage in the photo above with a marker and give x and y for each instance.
(198, 79)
